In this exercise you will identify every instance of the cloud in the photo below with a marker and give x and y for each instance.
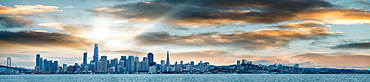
(335, 59)
(258, 39)
(304, 24)
(14, 22)
(358, 45)
(337, 16)
(216, 12)
(211, 12)
(69, 7)
(195, 13)
(80, 29)
(27, 9)
(57, 25)
(42, 39)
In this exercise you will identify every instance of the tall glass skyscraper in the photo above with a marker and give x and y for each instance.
(37, 61)
(168, 59)
(96, 53)
(85, 59)
(150, 57)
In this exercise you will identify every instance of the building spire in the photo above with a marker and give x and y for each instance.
(168, 59)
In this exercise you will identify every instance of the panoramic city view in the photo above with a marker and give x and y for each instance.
(184, 40)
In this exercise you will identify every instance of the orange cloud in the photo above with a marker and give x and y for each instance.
(27, 9)
(337, 16)
(57, 25)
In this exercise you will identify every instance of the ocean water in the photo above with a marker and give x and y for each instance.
(187, 78)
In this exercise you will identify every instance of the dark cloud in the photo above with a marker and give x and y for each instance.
(14, 22)
(358, 45)
(40, 38)
(259, 39)
(152, 38)
(209, 12)
(305, 24)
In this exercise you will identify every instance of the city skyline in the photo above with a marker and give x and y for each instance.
(311, 33)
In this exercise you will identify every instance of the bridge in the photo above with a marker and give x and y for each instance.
(9, 68)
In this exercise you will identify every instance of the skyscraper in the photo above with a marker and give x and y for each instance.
(45, 65)
(123, 58)
(99, 66)
(137, 65)
(243, 62)
(191, 63)
(181, 63)
(37, 61)
(85, 59)
(162, 66)
(64, 68)
(145, 64)
(151, 56)
(114, 63)
(55, 67)
(96, 53)
(238, 62)
(130, 64)
(41, 63)
(104, 63)
(168, 59)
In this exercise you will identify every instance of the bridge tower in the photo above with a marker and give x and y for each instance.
(9, 64)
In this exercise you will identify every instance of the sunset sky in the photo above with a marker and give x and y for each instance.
(312, 33)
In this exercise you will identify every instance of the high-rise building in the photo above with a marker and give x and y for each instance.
(243, 62)
(145, 64)
(130, 64)
(51, 67)
(181, 63)
(124, 59)
(99, 66)
(104, 63)
(45, 65)
(137, 65)
(55, 67)
(37, 61)
(114, 63)
(121, 63)
(151, 59)
(238, 62)
(168, 59)
(64, 68)
(41, 64)
(92, 66)
(175, 66)
(121, 68)
(96, 53)
(192, 64)
(85, 59)
(162, 66)
(296, 66)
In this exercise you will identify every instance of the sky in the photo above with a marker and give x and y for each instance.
(312, 33)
